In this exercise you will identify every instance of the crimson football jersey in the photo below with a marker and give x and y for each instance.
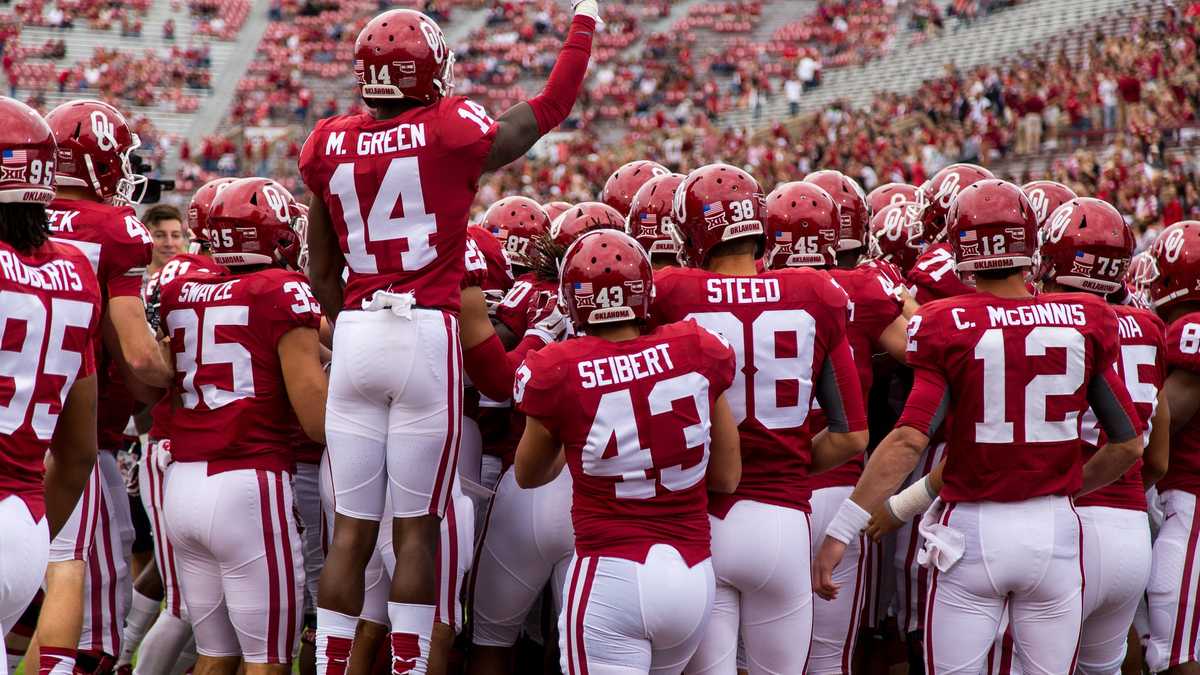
(399, 192)
(233, 409)
(513, 310)
(183, 263)
(634, 420)
(1183, 353)
(1013, 377)
(486, 263)
(788, 330)
(49, 321)
(119, 248)
(1143, 366)
(933, 276)
(874, 305)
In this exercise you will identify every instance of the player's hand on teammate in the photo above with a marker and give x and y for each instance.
(827, 558)
(546, 318)
(882, 523)
(492, 299)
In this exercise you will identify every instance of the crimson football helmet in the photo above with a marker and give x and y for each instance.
(992, 225)
(555, 209)
(515, 221)
(715, 204)
(1175, 255)
(802, 226)
(198, 208)
(624, 183)
(402, 54)
(852, 206)
(1046, 196)
(897, 235)
(650, 215)
(893, 193)
(1085, 244)
(939, 192)
(252, 222)
(27, 155)
(583, 218)
(606, 277)
(95, 148)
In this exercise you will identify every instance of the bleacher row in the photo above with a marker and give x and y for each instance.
(147, 57)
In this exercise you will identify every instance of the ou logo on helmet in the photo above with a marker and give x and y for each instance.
(436, 39)
(893, 224)
(948, 190)
(1172, 244)
(278, 203)
(104, 130)
(1058, 223)
(1037, 199)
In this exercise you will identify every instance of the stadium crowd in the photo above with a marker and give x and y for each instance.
(1104, 122)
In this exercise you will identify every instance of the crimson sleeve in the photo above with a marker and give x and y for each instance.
(1106, 391)
(124, 258)
(554, 103)
(288, 302)
(839, 391)
(491, 369)
(536, 392)
(309, 162)
(488, 367)
(927, 403)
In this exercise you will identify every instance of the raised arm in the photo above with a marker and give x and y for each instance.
(523, 124)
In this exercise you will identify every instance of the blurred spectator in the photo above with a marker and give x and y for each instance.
(792, 90)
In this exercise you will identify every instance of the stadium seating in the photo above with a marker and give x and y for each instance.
(678, 79)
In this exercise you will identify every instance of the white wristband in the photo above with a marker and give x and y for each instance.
(912, 501)
(848, 522)
(588, 8)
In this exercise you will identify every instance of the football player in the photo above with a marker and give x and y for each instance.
(166, 637)
(650, 217)
(623, 184)
(246, 354)
(93, 211)
(640, 585)
(788, 330)
(934, 275)
(803, 227)
(392, 189)
(897, 236)
(1173, 281)
(1023, 371)
(1085, 245)
(50, 301)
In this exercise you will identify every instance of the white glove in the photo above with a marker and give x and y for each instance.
(587, 8)
(492, 300)
(546, 318)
